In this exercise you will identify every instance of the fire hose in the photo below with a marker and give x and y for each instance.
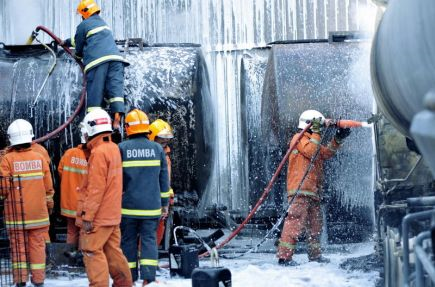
(328, 124)
(83, 92)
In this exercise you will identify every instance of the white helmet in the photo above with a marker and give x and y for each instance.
(82, 132)
(20, 132)
(97, 121)
(308, 116)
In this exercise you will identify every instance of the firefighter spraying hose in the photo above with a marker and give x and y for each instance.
(328, 123)
(327, 134)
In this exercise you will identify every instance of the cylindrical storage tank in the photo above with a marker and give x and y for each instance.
(403, 60)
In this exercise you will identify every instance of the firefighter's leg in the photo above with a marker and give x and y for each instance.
(18, 255)
(36, 248)
(73, 232)
(118, 265)
(94, 258)
(293, 226)
(95, 82)
(314, 229)
(130, 233)
(114, 87)
(149, 252)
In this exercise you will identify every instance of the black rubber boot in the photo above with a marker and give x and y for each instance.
(284, 262)
(320, 259)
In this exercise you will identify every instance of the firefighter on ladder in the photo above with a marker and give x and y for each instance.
(305, 212)
(73, 169)
(27, 208)
(146, 195)
(161, 132)
(104, 65)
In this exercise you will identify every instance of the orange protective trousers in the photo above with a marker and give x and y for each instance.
(73, 232)
(303, 215)
(102, 256)
(32, 242)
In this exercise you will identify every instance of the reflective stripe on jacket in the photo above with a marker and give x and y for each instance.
(30, 170)
(145, 178)
(95, 43)
(73, 168)
(300, 159)
(102, 190)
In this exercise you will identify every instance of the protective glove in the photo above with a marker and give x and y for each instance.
(316, 125)
(87, 226)
(341, 134)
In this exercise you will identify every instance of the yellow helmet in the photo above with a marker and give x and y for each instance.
(87, 8)
(160, 128)
(136, 122)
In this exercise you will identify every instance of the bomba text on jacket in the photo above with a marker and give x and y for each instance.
(134, 153)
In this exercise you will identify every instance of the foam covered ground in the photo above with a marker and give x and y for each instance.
(261, 270)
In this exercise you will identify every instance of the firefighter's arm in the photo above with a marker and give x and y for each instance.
(48, 183)
(326, 152)
(60, 167)
(5, 170)
(165, 190)
(308, 146)
(97, 181)
(80, 39)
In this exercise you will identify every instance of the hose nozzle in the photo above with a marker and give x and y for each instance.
(32, 38)
(344, 124)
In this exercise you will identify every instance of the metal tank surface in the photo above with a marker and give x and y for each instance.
(402, 69)
(403, 62)
(166, 81)
(329, 77)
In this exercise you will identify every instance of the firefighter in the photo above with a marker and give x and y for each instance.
(146, 195)
(100, 209)
(27, 222)
(161, 132)
(73, 168)
(305, 211)
(104, 65)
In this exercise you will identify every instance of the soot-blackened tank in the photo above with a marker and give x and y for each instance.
(166, 81)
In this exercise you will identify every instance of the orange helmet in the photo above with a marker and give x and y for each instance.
(87, 8)
(137, 122)
(160, 128)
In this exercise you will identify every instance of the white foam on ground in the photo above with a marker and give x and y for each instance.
(261, 270)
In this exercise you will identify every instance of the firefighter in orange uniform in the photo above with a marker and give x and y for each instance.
(161, 132)
(305, 212)
(73, 169)
(100, 211)
(28, 222)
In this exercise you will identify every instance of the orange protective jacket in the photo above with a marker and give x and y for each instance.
(100, 198)
(36, 189)
(73, 169)
(167, 151)
(42, 151)
(300, 159)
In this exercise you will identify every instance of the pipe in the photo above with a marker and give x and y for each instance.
(406, 221)
(345, 124)
(50, 71)
(83, 93)
(264, 195)
(422, 260)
